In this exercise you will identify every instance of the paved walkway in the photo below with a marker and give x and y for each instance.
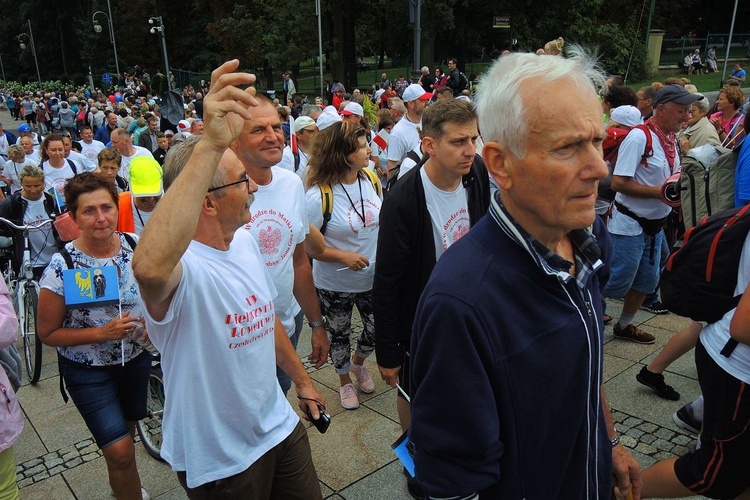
(57, 459)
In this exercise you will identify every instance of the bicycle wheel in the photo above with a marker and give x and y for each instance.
(32, 347)
(149, 428)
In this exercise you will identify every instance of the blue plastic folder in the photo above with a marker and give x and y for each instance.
(91, 287)
(402, 449)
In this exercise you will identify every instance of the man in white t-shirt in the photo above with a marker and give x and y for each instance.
(305, 130)
(278, 222)
(89, 147)
(121, 140)
(209, 310)
(639, 215)
(426, 212)
(404, 136)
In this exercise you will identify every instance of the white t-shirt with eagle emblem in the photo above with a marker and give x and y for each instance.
(448, 212)
(278, 223)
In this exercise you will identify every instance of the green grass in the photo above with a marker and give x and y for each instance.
(704, 83)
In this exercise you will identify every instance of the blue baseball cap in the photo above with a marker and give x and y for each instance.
(24, 128)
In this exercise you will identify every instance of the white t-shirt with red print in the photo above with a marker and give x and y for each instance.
(278, 223)
(449, 213)
(347, 231)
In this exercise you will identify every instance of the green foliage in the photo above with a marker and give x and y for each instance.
(614, 45)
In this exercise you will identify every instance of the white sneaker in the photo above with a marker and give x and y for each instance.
(349, 399)
(364, 380)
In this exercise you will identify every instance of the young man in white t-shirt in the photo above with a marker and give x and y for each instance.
(89, 147)
(279, 224)
(428, 209)
(209, 310)
(404, 136)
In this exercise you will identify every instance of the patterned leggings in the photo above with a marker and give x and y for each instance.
(337, 307)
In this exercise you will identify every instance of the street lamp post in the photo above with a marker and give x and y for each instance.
(30, 36)
(98, 29)
(159, 26)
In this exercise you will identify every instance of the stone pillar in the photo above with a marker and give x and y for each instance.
(653, 50)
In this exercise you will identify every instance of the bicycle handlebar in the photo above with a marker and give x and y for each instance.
(35, 225)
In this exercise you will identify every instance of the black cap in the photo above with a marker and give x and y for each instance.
(674, 93)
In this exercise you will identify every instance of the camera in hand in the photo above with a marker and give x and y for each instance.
(323, 421)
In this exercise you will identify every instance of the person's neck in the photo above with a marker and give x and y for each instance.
(99, 249)
(554, 239)
(88, 142)
(351, 176)
(130, 150)
(262, 176)
(211, 234)
(412, 116)
(443, 179)
(728, 113)
(658, 123)
(57, 163)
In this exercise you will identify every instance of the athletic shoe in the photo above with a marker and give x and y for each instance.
(685, 420)
(364, 380)
(656, 382)
(415, 490)
(349, 399)
(655, 308)
(633, 333)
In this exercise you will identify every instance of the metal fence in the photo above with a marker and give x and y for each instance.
(674, 50)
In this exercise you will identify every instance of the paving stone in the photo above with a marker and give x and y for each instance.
(83, 444)
(648, 438)
(90, 457)
(56, 470)
(19, 469)
(682, 440)
(41, 475)
(70, 455)
(34, 470)
(632, 421)
(628, 441)
(663, 455)
(645, 449)
(662, 444)
(664, 433)
(92, 448)
(648, 427)
(622, 428)
(49, 456)
(25, 482)
(681, 450)
(635, 433)
(32, 463)
(54, 462)
(72, 463)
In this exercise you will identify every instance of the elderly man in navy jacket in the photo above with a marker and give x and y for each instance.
(506, 355)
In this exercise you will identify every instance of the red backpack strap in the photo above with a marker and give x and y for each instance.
(649, 150)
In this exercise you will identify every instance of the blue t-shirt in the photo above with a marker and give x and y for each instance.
(742, 177)
(739, 74)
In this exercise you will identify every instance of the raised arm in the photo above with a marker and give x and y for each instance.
(156, 263)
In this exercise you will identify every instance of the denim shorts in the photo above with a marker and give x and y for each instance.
(631, 267)
(108, 397)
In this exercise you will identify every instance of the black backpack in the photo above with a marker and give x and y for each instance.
(463, 82)
(699, 279)
(396, 171)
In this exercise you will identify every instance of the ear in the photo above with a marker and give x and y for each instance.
(209, 206)
(499, 164)
(428, 144)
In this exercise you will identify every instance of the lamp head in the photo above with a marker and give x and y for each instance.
(97, 27)
(23, 46)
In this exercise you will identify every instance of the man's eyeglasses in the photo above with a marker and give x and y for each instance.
(244, 179)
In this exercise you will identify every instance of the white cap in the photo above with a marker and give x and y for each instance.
(328, 117)
(414, 92)
(353, 109)
(627, 115)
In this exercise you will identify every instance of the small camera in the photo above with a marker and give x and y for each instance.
(323, 422)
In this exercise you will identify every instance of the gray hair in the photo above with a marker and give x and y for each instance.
(702, 104)
(310, 109)
(31, 171)
(503, 116)
(176, 159)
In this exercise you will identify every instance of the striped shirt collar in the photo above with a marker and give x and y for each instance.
(586, 251)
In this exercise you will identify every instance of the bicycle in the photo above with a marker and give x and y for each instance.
(149, 428)
(24, 293)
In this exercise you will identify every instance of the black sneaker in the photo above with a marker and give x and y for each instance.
(656, 382)
(655, 308)
(415, 490)
(685, 420)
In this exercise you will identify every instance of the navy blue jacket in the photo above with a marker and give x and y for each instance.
(506, 373)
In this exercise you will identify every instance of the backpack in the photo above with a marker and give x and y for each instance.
(326, 196)
(11, 363)
(706, 184)
(611, 147)
(395, 171)
(699, 279)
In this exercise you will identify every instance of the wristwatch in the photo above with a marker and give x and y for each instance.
(316, 324)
